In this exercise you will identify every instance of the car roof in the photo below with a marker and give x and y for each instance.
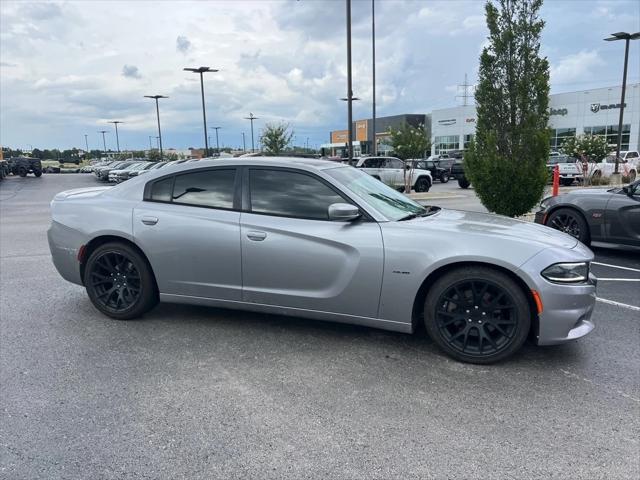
(309, 163)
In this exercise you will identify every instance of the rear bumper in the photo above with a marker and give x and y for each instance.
(64, 256)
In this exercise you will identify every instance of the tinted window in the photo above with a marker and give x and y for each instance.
(372, 163)
(279, 192)
(393, 163)
(207, 188)
(161, 190)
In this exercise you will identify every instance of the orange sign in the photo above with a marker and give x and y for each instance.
(339, 136)
(361, 130)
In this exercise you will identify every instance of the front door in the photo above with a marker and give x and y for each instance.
(190, 231)
(294, 256)
(622, 217)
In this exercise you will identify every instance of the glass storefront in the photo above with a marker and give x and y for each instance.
(559, 135)
(610, 132)
(467, 141)
(446, 143)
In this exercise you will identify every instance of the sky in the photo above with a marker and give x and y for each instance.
(69, 67)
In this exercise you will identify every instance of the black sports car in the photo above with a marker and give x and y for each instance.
(596, 214)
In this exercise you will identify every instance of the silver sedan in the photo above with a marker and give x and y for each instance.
(320, 240)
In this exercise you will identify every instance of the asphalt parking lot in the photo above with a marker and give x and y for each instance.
(190, 392)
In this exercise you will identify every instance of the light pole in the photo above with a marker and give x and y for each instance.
(202, 70)
(116, 122)
(86, 142)
(349, 86)
(373, 70)
(244, 146)
(217, 140)
(627, 37)
(104, 142)
(252, 118)
(150, 146)
(156, 98)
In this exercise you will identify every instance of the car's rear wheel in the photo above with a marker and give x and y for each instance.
(444, 178)
(37, 173)
(22, 172)
(569, 221)
(477, 315)
(422, 185)
(463, 183)
(119, 281)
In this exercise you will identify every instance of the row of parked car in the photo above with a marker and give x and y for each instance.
(572, 169)
(118, 171)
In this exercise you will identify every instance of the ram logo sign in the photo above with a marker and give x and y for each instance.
(595, 107)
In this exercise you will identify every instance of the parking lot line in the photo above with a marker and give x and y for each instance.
(616, 266)
(618, 304)
(618, 279)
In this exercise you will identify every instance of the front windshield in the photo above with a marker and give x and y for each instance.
(391, 203)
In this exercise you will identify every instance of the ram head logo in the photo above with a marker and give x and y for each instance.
(595, 107)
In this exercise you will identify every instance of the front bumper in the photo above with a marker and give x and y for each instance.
(566, 309)
(540, 217)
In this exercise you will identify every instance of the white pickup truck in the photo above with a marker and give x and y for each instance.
(570, 168)
(628, 165)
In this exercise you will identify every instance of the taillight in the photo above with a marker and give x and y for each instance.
(81, 252)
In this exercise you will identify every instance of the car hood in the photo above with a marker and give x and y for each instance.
(472, 226)
(589, 191)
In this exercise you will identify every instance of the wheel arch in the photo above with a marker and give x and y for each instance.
(96, 242)
(569, 206)
(421, 295)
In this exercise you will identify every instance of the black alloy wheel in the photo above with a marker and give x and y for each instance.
(477, 315)
(119, 281)
(422, 185)
(569, 221)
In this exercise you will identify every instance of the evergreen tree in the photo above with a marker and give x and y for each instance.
(506, 160)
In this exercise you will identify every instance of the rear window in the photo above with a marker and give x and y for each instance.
(161, 190)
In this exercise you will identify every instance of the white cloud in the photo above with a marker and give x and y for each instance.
(576, 67)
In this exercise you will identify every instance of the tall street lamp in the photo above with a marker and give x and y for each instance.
(251, 118)
(202, 70)
(349, 86)
(104, 142)
(116, 122)
(217, 140)
(244, 146)
(373, 76)
(86, 142)
(150, 146)
(627, 37)
(156, 98)
(349, 143)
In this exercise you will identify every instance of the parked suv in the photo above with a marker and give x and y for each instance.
(437, 170)
(25, 165)
(628, 164)
(391, 171)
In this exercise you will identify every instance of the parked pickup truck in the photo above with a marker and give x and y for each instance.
(570, 168)
(628, 165)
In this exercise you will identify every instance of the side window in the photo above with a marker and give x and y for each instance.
(290, 194)
(393, 163)
(632, 155)
(208, 188)
(161, 190)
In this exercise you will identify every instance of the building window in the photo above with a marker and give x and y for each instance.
(446, 143)
(610, 132)
(467, 140)
(559, 136)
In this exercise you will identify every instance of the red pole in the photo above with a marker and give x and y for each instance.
(556, 180)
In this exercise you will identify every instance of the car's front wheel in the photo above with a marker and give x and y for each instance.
(444, 178)
(422, 185)
(477, 314)
(120, 282)
(463, 183)
(569, 221)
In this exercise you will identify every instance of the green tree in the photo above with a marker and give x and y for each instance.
(506, 161)
(153, 155)
(276, 138)
(409, 142)
(594, 147)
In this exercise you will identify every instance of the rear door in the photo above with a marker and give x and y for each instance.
(294, 256)
(622, 217)
(393, 172)
(189, 227)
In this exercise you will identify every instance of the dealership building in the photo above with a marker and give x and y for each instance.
(594, 111)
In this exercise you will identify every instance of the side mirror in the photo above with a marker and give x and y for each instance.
(343, 212)
(628, 190)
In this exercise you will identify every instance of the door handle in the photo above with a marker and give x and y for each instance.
(256, 236)
(149, 220)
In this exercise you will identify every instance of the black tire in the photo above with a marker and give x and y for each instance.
(37, 173)
(444, 178)
(477, 315)
(119, 281)
(422, 185)
(569, 221)
(22, 172)
(566, 182)
(463, 183)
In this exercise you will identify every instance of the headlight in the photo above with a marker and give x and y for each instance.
(567, 272)
(544, 203)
